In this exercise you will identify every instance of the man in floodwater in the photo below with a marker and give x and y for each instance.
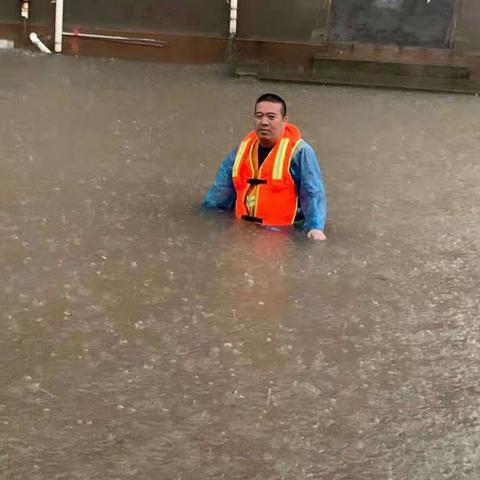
(273, 177)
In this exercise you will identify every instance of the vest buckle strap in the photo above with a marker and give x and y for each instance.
(248, 218)
(256, 181)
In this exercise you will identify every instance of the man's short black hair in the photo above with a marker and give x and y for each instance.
(271, 97)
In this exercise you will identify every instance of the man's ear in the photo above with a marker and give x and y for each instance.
(285, 119)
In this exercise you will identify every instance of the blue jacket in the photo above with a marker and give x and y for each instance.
(305, 171)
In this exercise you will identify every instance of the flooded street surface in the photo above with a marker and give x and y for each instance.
(145, 338)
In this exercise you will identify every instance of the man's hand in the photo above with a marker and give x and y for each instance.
(315, 234)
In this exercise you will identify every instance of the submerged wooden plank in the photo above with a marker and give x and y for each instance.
(380, 81)
(339, 68)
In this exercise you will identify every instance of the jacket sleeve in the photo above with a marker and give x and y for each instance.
(222, 193)
(307, 175)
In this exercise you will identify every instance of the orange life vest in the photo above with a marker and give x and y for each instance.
(266, 195)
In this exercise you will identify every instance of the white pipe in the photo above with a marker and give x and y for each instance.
(38, 43)
(58, 25)
(6, 44)
(112, 37)
(233, 17)
(25, 12)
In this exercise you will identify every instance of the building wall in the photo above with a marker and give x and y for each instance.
(42, 11)
(199, 17)
(386, 22)
(415, 23)
(302, 21)
(9, 11)
(467, 31)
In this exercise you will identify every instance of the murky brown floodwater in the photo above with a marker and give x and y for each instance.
(144, 338)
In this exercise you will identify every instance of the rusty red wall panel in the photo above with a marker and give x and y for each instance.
(178, 48)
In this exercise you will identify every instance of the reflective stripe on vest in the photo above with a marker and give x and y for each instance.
(238, 158)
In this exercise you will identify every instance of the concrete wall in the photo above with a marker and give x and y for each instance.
(9, 11)
(198, 17)
(467, 32)
(42, 11)
(294, 21)
(202, 17)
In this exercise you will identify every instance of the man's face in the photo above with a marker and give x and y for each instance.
(269, 123)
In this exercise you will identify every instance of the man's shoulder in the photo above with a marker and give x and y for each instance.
(304, 147)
